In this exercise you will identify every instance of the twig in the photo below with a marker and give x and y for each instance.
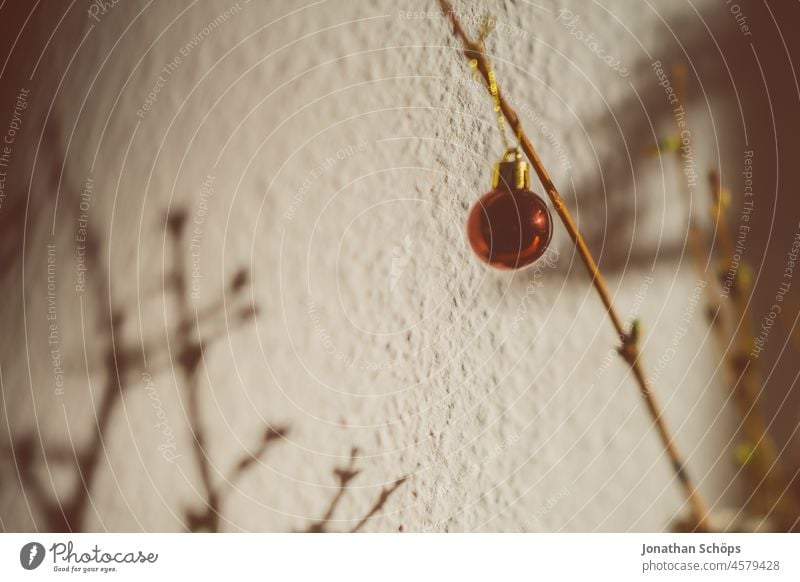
(767, 477)
(628, 349)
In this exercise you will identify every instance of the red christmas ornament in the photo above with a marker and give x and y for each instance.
(510, 226)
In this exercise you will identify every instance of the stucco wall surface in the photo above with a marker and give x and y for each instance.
(288, 182)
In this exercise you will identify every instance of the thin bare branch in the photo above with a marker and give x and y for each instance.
(628, 349)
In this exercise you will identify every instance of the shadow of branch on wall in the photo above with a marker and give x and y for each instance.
(344, 475)
(68, 513)
(190, 348)
(121, 365)
(29, 454)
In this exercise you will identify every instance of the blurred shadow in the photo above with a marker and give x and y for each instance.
(344, 475)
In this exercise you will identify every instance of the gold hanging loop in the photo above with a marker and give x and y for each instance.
(487, 26)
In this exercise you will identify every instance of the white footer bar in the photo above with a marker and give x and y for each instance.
(406, 557)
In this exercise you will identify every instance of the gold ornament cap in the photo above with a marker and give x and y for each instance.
(512, 172)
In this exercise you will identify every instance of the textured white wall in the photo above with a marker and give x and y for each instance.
(346, 141)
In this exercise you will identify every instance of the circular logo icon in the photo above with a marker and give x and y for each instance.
(31, 555)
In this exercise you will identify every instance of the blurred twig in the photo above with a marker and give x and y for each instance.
(729, 321)
(759, 454)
